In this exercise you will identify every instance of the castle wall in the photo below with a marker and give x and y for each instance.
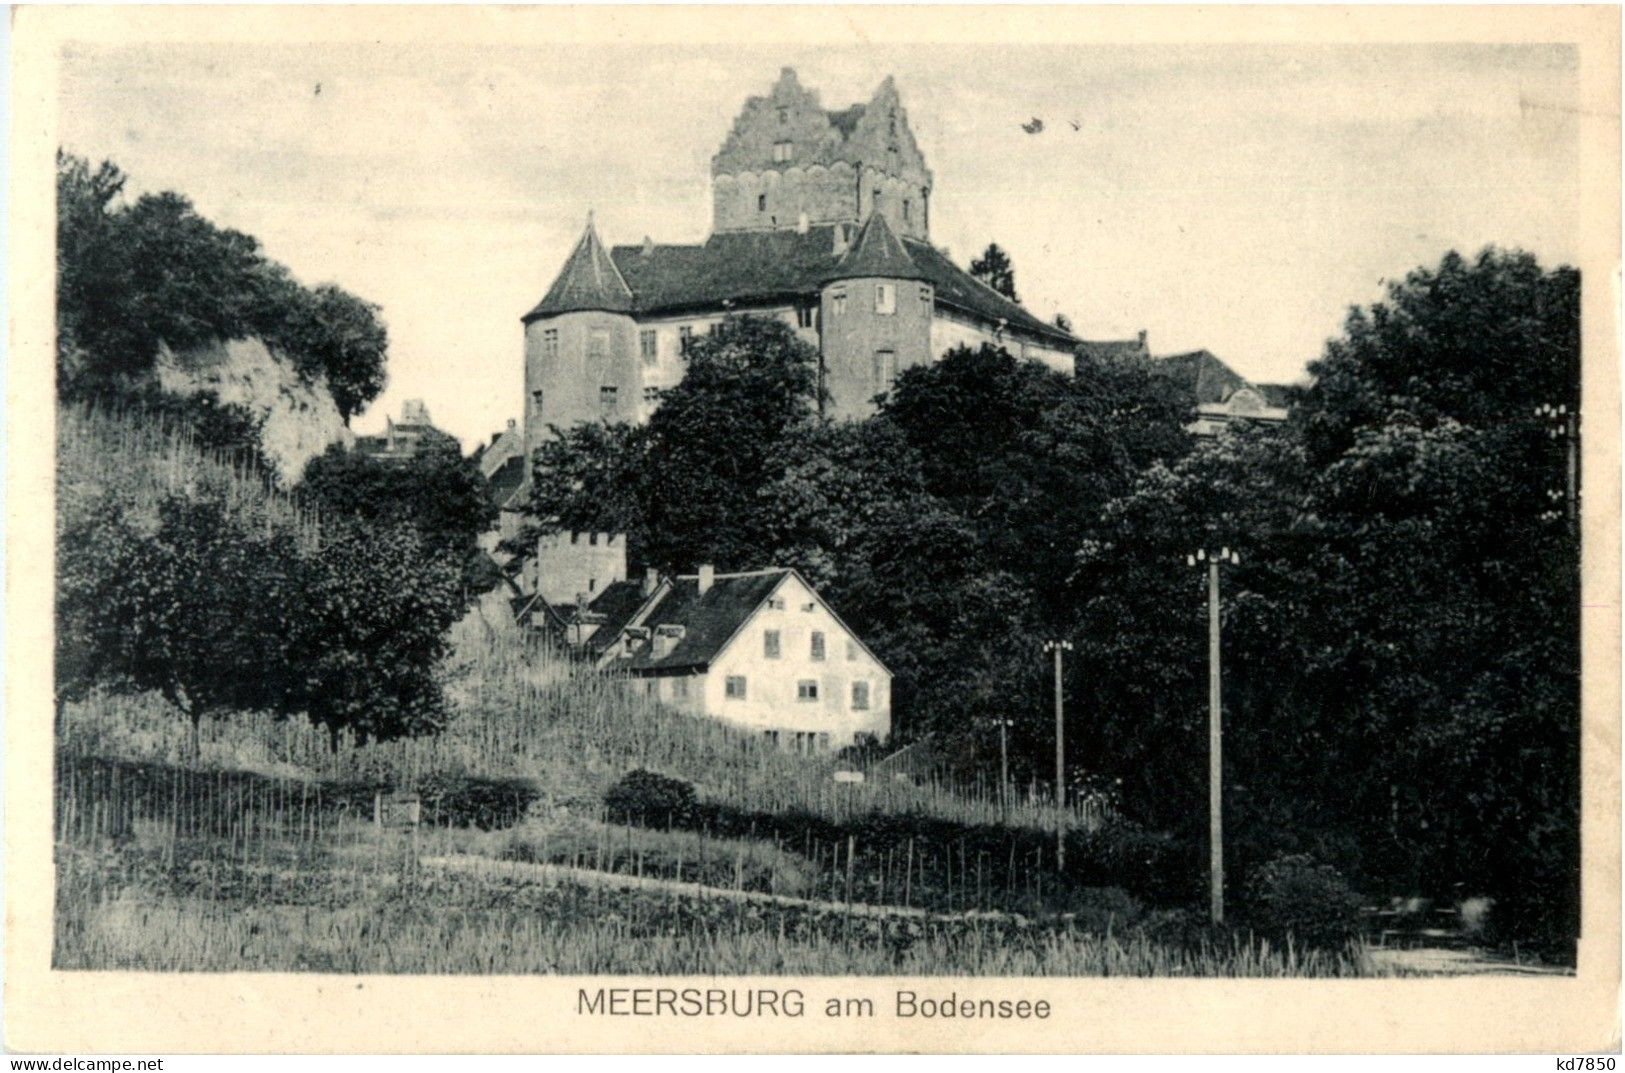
(855, 339)
(949, 331)
(568, 564)
(593, 351)
(668, 368)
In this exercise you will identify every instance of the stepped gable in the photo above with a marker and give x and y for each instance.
(877, 252)
(589, 280)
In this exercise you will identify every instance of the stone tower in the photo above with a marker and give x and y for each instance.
(876, 309)
(580, 346)
(788, 163)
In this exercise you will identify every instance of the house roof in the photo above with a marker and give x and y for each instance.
(1204, 376)
(1112, 349)
(756, 267)
(877, 252)
(588, 280)
(504, 484)
(709, 619)
(617, 602)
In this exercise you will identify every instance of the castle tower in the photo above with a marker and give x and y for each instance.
(580, 345)
(876, 305)
(787, 159)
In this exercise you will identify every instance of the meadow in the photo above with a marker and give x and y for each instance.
(260, 851)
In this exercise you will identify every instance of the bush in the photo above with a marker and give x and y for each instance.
(650, 799)
(469, 801)
(1297, 896)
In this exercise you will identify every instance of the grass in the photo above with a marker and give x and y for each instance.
(260, 854)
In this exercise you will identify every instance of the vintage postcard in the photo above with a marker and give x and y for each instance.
(813, 529)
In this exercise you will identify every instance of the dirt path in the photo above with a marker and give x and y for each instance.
(557, 873)
(1442, 962)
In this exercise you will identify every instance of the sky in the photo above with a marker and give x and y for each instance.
(1237, 198)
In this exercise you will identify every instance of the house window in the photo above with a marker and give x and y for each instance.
(905, 210)
(860, 696)
(651, 396)
(807, 689)
(652, 687)
(550, 343)
(886, 298)
(684, 334)
(807, 741)
(761, 202)
(817, 645)
(851, 650)
(823, 743)
(837, 302)
(608, 399)
(592, 584)
(772, 737)
(925, 294)
(776, 603)
(783, 151)
(734, 687)
(536, 401)
(770, 644)
(598, 343)
(804, 316)
(885, 370)
(649, 344)
(679, 688)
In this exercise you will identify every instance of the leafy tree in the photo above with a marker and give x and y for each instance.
(438, 492)
(373, 615)
(194, 609)
(993, 268)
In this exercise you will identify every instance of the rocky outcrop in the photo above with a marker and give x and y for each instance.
(300, 417)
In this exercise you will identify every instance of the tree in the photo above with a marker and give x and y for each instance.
(370, 633)
(339, 335)
(437, 492)
(194, 609)
(1063, 322)
(993, 268)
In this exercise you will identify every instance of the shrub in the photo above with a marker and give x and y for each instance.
(1296, 895)
(649, 798)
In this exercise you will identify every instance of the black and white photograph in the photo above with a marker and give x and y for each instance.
(606, 506)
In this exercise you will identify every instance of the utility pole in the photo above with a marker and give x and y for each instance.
(1004, 766)
(1060, 756)
(1215, 732)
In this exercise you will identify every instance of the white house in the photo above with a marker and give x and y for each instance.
(761, 650)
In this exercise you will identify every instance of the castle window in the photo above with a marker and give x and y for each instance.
(925, 294)
(649, 344)
(608, 400)
(905, 210)
(536, 401)
(770, 644)
(860, 696)
(598, 343)
(837, 303)
(550, 343)
(885, 370)
(684, 334)
(783, 151)
(592, 539)
(772, 737)
(886, 298)
(761, 202)
(679, 688)
(651, 396)
(817, 645)
(734, 689)
(807, 689)
(804, 316)
(784, 117)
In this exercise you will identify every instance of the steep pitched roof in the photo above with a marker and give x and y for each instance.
(588, 280)
(505, 482)
(1203, 375)
(876, 252)
(709, 619)
(616, 603)
(744, 267)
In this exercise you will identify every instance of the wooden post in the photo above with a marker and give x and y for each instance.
(1004, 768)
(1060, 770)
(1214, 764)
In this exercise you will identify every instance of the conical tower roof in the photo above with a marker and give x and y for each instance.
(878, 253)
(588, 280)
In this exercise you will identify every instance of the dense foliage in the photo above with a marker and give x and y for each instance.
(134, 277)
(437, 492)
(994, 269)
(1401, 643)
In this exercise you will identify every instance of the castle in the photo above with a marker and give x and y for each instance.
(820, 218)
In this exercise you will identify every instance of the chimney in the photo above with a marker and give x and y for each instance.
(648, 246)
(707, 575)
(841, 239)
(651, 578)
(802, 224)
(1142, 338)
